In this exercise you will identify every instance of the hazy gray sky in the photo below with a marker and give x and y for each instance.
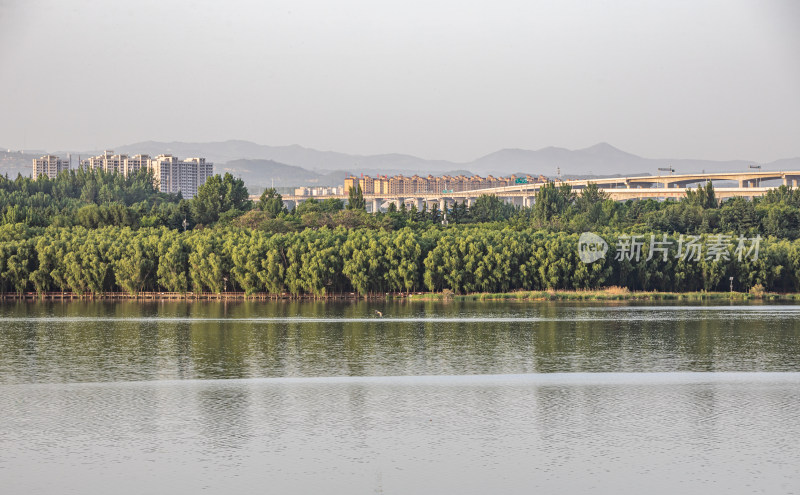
(435, 78)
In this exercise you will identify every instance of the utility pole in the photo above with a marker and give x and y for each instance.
(758, 179)
(666, 169)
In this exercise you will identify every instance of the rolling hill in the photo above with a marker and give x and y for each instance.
(264, 165)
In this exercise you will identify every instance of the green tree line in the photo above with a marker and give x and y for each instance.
(91, 232)
(322, 261)
(93, 199)
(556, 209)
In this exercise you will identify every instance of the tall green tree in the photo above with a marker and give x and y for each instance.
(271, 202)
(703, 196)
(173, 263)
(487, 208)
(552, 200)
(217, 196)
(356, 198)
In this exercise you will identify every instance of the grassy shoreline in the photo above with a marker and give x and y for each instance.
(608, 294)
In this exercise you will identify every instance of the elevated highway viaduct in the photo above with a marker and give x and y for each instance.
(620, 189)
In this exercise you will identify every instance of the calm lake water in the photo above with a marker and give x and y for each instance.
(431, 398)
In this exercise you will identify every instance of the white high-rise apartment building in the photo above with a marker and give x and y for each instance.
(49, 165)
(184, 176)
(136, 163)
(172, 174)
(123, 164)
(107, 162)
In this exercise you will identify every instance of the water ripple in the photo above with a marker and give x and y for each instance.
(543, 379)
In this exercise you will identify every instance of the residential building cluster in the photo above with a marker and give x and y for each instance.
(319, 191)
(415, 184)
(49, 165)
(172, 174)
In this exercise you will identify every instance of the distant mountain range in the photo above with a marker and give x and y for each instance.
(262, 165)
(307, 158)
(259, 164)
(257, 172)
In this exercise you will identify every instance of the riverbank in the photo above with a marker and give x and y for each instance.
(605, 294)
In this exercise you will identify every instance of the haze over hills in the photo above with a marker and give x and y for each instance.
(267, 173)
(328, 167)
(13, 163)
(264, 165)
(299, 156)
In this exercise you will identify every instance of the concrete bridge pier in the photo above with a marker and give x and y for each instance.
(420, 202)
(469, 202)
(442, 204)
(375, 205)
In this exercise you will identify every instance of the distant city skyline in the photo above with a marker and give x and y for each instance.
(172, 174)
(714, 80)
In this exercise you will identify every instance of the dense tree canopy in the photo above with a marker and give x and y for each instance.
(95, 199)
(321, 261)
(92, 232)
